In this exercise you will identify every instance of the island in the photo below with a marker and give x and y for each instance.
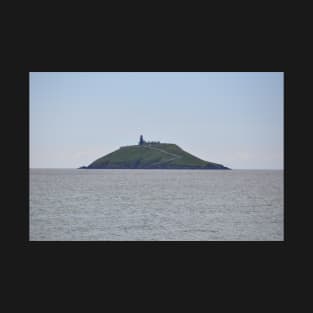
(152, 155)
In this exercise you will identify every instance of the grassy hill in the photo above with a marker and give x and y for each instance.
(152, 156)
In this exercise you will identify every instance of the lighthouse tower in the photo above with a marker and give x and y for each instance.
(141, 141)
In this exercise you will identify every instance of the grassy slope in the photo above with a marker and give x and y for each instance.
(144, 157)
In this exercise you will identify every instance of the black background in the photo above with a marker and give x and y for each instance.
(245, 275)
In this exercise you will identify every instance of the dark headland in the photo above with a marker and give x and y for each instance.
(152, 155)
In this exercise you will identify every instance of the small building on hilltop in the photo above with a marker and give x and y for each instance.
(142, 141)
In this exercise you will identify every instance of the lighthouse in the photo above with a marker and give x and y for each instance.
(141, 141)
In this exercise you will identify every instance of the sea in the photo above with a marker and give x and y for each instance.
(156, 205)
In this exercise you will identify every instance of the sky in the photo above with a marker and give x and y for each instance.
(231, 118)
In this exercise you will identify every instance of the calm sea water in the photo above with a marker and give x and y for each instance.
(70, 204)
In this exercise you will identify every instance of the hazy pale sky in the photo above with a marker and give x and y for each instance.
(235, 118)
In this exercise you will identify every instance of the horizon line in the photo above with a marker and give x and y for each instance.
(74, 168)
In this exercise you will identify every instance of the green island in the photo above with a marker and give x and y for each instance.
(151, 155)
